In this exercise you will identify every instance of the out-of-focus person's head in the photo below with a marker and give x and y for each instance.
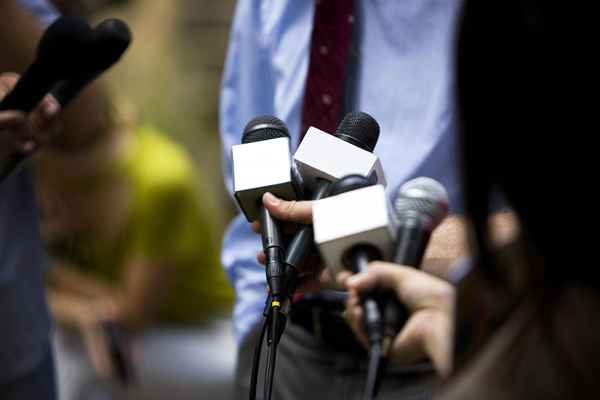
(519, 116)
(521, 85)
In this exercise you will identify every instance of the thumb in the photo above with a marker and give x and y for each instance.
(292, 211)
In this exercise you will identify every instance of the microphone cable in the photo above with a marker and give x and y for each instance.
(374, 372)
(258, 350)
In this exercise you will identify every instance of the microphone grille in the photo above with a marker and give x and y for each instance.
(424, 198)
(359, 129)
(264, 127)
(348, 184)
(110, 38)
(63, 41)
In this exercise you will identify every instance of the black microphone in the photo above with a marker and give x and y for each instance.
(56, 60)
(356, 259)
(109, 41)
(359, 129)
(420, 206)
(260, 129)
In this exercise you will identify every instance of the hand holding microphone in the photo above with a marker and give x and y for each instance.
(429, 300)
(69, 56)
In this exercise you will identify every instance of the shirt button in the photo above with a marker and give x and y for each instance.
(326, 99)
(324, 50)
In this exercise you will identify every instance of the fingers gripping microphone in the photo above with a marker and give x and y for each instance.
(322, 159)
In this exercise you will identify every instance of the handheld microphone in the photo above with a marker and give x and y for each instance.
(262, 164)
(70, 55)
(353, 228)
(56, 60)
(322, 159)
(109, 41)
(420, 206)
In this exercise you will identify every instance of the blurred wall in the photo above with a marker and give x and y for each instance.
(170, 77)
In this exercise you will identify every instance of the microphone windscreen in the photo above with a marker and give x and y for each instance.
(264, 127)
(62, 43)
(110, 39)
(360, 129)
(423, 197)
(348, 184)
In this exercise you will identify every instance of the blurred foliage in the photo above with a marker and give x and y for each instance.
(170, 78)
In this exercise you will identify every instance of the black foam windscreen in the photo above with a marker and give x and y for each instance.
(62, 44)
(359, 129)
(264, 127)
(110, 39)
(348, 184)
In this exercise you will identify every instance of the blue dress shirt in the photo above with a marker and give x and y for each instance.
(43, 10)
(403, 77)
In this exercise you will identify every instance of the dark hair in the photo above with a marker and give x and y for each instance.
(521, 109)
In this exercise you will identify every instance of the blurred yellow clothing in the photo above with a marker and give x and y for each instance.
(166, 224)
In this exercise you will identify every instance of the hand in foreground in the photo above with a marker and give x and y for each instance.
(291, 214)
(93, 314)
(21, 133)
(430, 302)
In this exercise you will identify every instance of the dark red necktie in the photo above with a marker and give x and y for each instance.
(325, 82)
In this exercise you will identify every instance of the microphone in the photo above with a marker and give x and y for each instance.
(353, 228)
(354, 219)
(56, 56)
(70, 55)
(322, 159)
(57, 50)
(420, 206)
(109, 41)
(262, 164)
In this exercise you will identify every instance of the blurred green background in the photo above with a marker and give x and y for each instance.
(170, 77)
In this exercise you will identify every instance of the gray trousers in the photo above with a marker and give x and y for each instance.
(310, 370)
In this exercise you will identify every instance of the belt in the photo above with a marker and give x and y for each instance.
(320, 314)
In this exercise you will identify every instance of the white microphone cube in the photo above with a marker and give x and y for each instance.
(360, 216)
(261, 167)
(321, 155)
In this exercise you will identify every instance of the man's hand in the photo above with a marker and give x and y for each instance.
(430, 301)
(21, 133)
(294, 213)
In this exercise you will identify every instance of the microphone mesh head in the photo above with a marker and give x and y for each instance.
(110, 40)
(424, 198)
(64, 41)
(264, 127)
(348, 184)
(359, 129)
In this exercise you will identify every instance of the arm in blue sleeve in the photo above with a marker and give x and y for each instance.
(246, 91)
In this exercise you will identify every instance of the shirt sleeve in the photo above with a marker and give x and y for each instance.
(247, 90)
(43, 10)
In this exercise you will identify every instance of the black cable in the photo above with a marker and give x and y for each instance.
(276, 320)
(371, 386)
(256, 359)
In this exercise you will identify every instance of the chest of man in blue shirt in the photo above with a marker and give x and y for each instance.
(401, 73)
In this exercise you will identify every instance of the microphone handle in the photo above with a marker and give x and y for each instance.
(35, 83)
(303, 240)
(358, 260)
(272, 242)
(66, 91)
(411, 241)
